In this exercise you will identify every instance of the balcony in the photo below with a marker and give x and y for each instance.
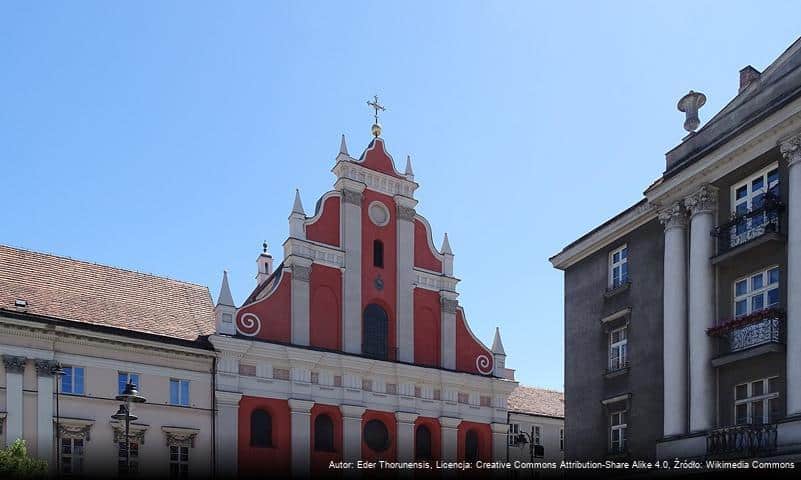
(750, 229)
(741, 441)
(750, 335)
(616, 369)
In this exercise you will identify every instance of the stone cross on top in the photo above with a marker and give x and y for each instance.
(377, 107)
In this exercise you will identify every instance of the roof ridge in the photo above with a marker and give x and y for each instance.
(87, 262)
(542, 389)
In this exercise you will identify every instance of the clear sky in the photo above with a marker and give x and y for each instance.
(168, 137)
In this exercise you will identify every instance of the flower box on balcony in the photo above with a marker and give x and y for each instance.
(752, 330)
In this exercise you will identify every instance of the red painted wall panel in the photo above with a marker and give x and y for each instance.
(325, 313)
(320, 459)
(484, 439)
(423, 256)
(386, 296)
(326, 228)
(436, 435)
(275, 460)
(427, 326)
(388, 418)
(376, 158)
(468, 350)
(274, 314)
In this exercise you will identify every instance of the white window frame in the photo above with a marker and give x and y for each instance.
(182, 402)
(514, 431)
(621, 427)
(751, 399)
(121, 459)
(536, 434)
(622, 262)
(621, 347)
(71, 459)
(72, 391)
(181, 464)
(750, 194)
(750, 293)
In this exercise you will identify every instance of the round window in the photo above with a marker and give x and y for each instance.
(378, 213)
(376, 435)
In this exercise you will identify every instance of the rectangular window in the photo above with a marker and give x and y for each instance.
(71, 452)
(536, 432)
(756, 402)
(124, 377)
(122, 463)
(514, 431)
(756, 292)
(72, 380)
(179, 392)
(179, 462)
(617, 432)
(749, 195)
(561, 439)
(619, 266)
(618, 345)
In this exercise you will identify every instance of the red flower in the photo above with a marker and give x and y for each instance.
(728, 325)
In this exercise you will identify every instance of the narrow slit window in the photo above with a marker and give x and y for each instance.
(378, 253)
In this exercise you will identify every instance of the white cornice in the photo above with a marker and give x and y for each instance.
(318, 252)
(434, 281)
(624, 224)
(377, 181)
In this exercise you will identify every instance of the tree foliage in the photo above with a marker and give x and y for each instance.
(15, 462)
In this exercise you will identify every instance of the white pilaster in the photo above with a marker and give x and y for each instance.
(15, 366)
(352, 275)
(499, 436)
(448, 328)
(351, 432)
(225, 425)
(406, 277)
(791, 150)
(301, 436)
(702, 205)
(405, 427)
(44, 410)
(301, 274)
(448, 427)
(674, 354)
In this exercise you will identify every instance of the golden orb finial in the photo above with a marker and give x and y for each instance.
(376, 128)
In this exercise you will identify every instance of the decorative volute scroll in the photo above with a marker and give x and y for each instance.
(14, 364)
(74, 428)
(673, 216)
(791, 150)
(179, 436)
(705, 200)
(135, 431)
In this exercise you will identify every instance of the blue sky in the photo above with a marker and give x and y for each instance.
(168, 137)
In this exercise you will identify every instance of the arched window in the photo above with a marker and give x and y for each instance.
(376, 435)
(471, 446)
(261, 429)
(378, 253)
(422, 443)
(323, 434)
(375, 327)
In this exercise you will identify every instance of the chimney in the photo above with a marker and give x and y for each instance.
(748, 75)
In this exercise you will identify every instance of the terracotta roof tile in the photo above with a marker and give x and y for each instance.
(79, 291)
(537, 401)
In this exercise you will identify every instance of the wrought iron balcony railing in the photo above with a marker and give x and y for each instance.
(743, 228)
(758, 328)
(741, 440)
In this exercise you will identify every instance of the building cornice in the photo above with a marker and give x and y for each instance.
(377, 181)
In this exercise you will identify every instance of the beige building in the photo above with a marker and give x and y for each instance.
(538, 415)
(104, 326)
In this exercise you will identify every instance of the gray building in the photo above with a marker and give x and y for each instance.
(683, 312)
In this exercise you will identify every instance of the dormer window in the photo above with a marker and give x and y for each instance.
(378, 253)
(20, 303)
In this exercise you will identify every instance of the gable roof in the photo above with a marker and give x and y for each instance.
(77, 291)
(537, 401)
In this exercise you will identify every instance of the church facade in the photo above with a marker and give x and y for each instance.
(355, 346)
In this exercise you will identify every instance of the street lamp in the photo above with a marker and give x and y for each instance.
(129, 395)
(58, 372)
(535, 450)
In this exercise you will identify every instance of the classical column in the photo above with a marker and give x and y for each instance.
(301, 273)
(702, 205)
(448, 329)
(405, 427)
(351, 432)
(405, 264)
(300, 431)
(15, 367)
(44, 409)
(499, 440)
(791, 151)
(449, 428)
(674, 327)
(352, 275)
(225, 426)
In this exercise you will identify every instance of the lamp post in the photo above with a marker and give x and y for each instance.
(58, 372)
(521, 439)
(129, 395)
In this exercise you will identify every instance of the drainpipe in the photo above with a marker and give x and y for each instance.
(508, 417)
(214, 417)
